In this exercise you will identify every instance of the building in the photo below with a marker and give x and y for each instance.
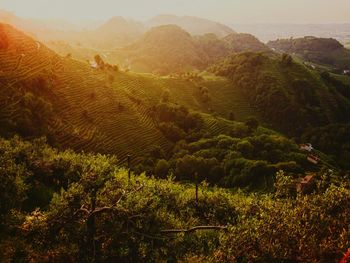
(313, 159)
(93, 64)
(306, 147)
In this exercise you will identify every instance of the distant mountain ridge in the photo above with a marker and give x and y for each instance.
(170, 49)
(271, 31)
(193, 25)
(327, 51)
(115, 32)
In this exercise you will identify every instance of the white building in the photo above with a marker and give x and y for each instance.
(306, 147)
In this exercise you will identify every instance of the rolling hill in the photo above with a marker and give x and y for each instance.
(109, 111)
(326, 51)
(88, 113)
(170, 49)
(91, 109)
(287, 93)
(116, 32)
(245, 42)
(193, 25)
(167, 48)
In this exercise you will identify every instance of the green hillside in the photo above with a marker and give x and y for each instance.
(87, 112)
(213, 176)
(326, 51)
(91, 109)
(151, 118)
(108, 111)
(286, 93)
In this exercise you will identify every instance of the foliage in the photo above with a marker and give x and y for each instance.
(35, 112)
(175, 121)
(237, 159)
(290, 97)
(309, 229)
(96, 214)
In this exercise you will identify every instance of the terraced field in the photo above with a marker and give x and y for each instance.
(224, 96)
(90, 115)
(103, 111)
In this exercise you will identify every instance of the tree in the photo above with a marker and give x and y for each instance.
(171, 131)
(188, 165)
(245, 147)
(162, 168)
(252, 123)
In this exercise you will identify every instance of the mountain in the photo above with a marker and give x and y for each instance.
(188, 120)
(31, 27)
(114, 33)
(69, 101)
(109, 111)
(164, 49)
(193, 25)
(98, 164)
(325, 51)
(244, 43)
(272, 31)
(170, 49)
(101, 110)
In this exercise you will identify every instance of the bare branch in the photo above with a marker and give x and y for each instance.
(81, 209)
(193, 229)
(101, 210)
(148, 236)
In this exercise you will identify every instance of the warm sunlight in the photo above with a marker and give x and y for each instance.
(175, 131)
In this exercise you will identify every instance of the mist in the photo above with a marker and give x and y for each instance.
(227, 11)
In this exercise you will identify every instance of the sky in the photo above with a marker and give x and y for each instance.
(227, 11)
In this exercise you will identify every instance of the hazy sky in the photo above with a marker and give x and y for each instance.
(229, 11)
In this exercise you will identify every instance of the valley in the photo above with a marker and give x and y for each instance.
(175, 139)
